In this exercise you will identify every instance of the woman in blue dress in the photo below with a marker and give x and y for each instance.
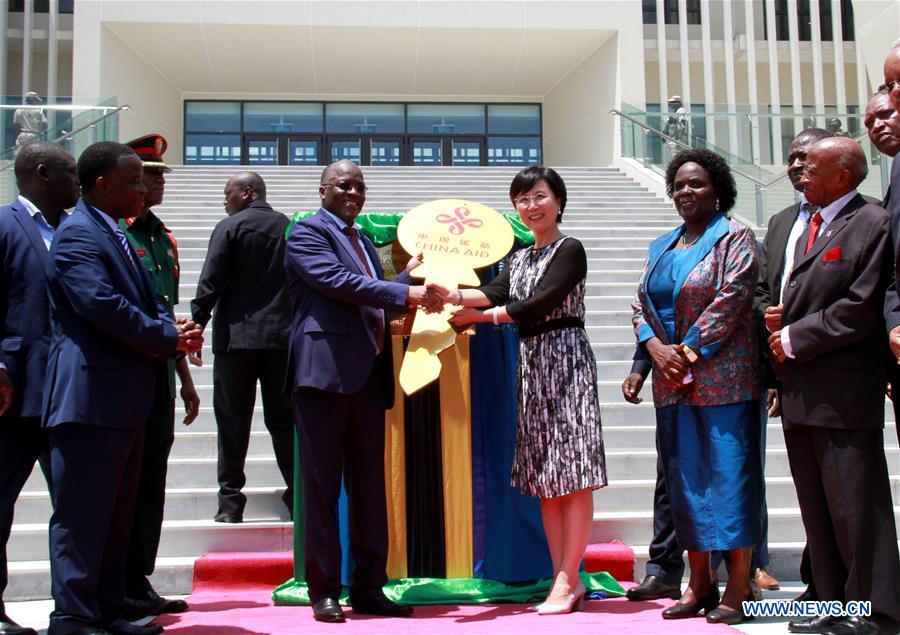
(692, 316)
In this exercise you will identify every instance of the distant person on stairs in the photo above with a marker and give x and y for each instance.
(693, 317)
(156, 249)
(243, 279)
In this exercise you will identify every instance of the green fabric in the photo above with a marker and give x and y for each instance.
(155, 248)
(381, 227)
(456, 590)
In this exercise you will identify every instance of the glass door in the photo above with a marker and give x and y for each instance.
(385, 151)
(466, 150)
(340, 148)
(425, 151)
(260, 150)
(304, 151)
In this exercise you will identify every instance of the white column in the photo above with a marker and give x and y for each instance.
(52, 52)
(750, 27)
(685, 58)
(4, 8)
(734, 139)
(862, 85)
(837, 38)
(818, 74)
(27, 25)
(774, 88)
(796, 88)
(709, 98)
(662, 56)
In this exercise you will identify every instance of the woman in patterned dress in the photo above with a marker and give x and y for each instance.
(559, 447)
(692, 317)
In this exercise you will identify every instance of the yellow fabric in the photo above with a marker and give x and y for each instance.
(456, 448)
(395, 473)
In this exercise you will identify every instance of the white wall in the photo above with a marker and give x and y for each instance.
(105, 66)
(578, 129)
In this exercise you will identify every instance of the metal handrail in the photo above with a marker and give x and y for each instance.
(53, 107)
(62, 137)
(641, 124)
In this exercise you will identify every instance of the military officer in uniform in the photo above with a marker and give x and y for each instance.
(155, 246)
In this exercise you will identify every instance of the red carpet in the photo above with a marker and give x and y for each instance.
(251, 612)
(233, 596)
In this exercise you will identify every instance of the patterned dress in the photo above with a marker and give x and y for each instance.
(559, 444)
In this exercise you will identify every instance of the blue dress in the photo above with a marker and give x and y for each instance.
(710, 454)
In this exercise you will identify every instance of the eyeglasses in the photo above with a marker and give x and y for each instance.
(888, 86)
(526, 201)
(347, 187)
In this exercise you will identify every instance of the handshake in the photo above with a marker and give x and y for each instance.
(431, 297)
(190, 336)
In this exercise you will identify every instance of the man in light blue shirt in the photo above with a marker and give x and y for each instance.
(48, 182)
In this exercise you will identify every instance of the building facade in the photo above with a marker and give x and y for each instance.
(448, 82)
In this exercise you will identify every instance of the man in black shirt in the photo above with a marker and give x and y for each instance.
(244, 279)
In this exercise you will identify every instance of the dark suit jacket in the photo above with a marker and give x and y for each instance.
(243, 278)
(334, 303)
(834, 309)
(109, 330)
(24, 308)
(771, 268)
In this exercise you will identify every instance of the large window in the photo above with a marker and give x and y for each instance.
(386, 133)
(670, 9)
(804, 21)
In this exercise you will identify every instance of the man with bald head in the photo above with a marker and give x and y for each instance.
(243, 279)
(47, 179)
(831, 337)
(342, 375)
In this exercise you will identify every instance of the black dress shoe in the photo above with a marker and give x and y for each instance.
(376, 603)
(809, 595)
(138, 608)
(812, 625)
(168, 606)
(8, 627)
(222, 517)
(853, 626)
(653, 588)
(91, 630)
(729, 616)
(122, 627)
(707, 603)
(328, 610)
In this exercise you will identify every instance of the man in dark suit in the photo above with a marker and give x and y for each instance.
(891, 87)
(883, 125)
(830, 336)
(243, 278)
(109, 334)
(776, 260)
(155, 246)
(342, 381)
(47, 179)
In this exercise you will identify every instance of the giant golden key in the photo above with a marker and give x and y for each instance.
(455, 237)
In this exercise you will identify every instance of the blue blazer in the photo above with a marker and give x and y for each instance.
(334, 303)
(108, 329)
(24, 309)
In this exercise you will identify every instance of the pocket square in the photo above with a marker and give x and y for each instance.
(834, 253)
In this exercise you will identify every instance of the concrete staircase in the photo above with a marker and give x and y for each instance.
(609, 213)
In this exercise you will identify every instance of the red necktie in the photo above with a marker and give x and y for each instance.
(353, 234)
(814, 226)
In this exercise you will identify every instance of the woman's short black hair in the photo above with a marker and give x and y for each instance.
(528, 178)
(720, 176)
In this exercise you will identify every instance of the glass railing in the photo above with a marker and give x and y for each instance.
(73, 126)
(763, 188)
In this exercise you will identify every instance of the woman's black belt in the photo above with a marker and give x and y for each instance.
(551, 325)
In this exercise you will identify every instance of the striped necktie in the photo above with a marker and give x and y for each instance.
(123, 240)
